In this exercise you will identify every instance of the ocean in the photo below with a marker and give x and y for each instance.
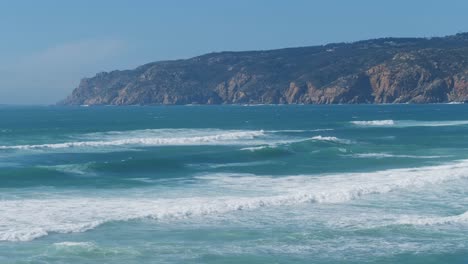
(234, 184)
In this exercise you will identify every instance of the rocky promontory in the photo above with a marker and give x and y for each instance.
(387, 70)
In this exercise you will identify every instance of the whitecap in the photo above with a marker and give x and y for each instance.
(374, 123)
(300, 130)
(224, 137)
(255, 148)
(74, 244)
(79, 169)
(237, 164)
(409, 123)
(331, 139)
(26, 219)
(388, 155)
(437, 220)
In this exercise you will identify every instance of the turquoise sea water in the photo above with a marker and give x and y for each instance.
(234, 184)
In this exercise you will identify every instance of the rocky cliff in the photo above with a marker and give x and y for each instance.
(388, 70)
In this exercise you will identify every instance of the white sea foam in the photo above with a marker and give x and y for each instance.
(221, 137)
(26, 219)
(410, 123)
(256, 148)
(322, 129)
(289, 131)
(89, 248)
(331, 139)
(387, 155)
(437, 220)
(74, 244)
(79, 169)
(374, 123)
(436, 123)
(282, 142)
(237, 164)
(275, 144)
(300, 130)
(176, 137)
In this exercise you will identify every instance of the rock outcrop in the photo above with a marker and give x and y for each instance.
(388, 70)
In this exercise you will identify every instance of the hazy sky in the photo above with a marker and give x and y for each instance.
(47, 46)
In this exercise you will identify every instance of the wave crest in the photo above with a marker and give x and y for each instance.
(430, 221)
(387, 155)
(38, 217)
(410, 123)
(331, 139)
(228, 137)
(374, 123)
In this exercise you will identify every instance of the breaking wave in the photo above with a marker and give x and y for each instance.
(74, 244)
(27, 219)
(331, 139)
(257, 139)
(300, 130)
(409, 123)
(256, 148)
(387, 155)
(430, 221)
(175, 137)
(79, 169)
(374, 123)
(221, 137)
(281, 143)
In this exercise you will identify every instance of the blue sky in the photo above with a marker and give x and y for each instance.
(47, 46)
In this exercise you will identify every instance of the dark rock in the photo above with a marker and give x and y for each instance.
(388, 70)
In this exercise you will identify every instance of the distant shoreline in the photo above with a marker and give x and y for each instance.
(376, 71)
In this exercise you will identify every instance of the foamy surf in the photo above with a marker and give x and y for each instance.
(409, 123)
(224, 137)
(331, 139)
(253, 149)
(374, 123)
(79, 169)
(27, 219)
(379, 198)
(434, 220)
(74, 244)
(388, 155)
(180, 137)
(282, 143)
(300, 130)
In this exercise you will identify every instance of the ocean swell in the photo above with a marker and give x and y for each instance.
(27, 219)
(388, 155)
(437, 220)
(331, 139)
(374, 123)
(409, 123)
(225, 137)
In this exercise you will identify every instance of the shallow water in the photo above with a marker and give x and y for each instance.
(234, 184)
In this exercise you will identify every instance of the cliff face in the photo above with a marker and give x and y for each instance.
(389, 70)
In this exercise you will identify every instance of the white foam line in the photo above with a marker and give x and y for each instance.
(374, 123)
(70, 168)
(74, 244)
(300, 130)
(222, 138)
(256, 148)
(387, 155)
(430, 221)
(410, 123)
(331, 139)
(23, 220)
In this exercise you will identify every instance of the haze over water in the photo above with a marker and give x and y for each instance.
(234, 184)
